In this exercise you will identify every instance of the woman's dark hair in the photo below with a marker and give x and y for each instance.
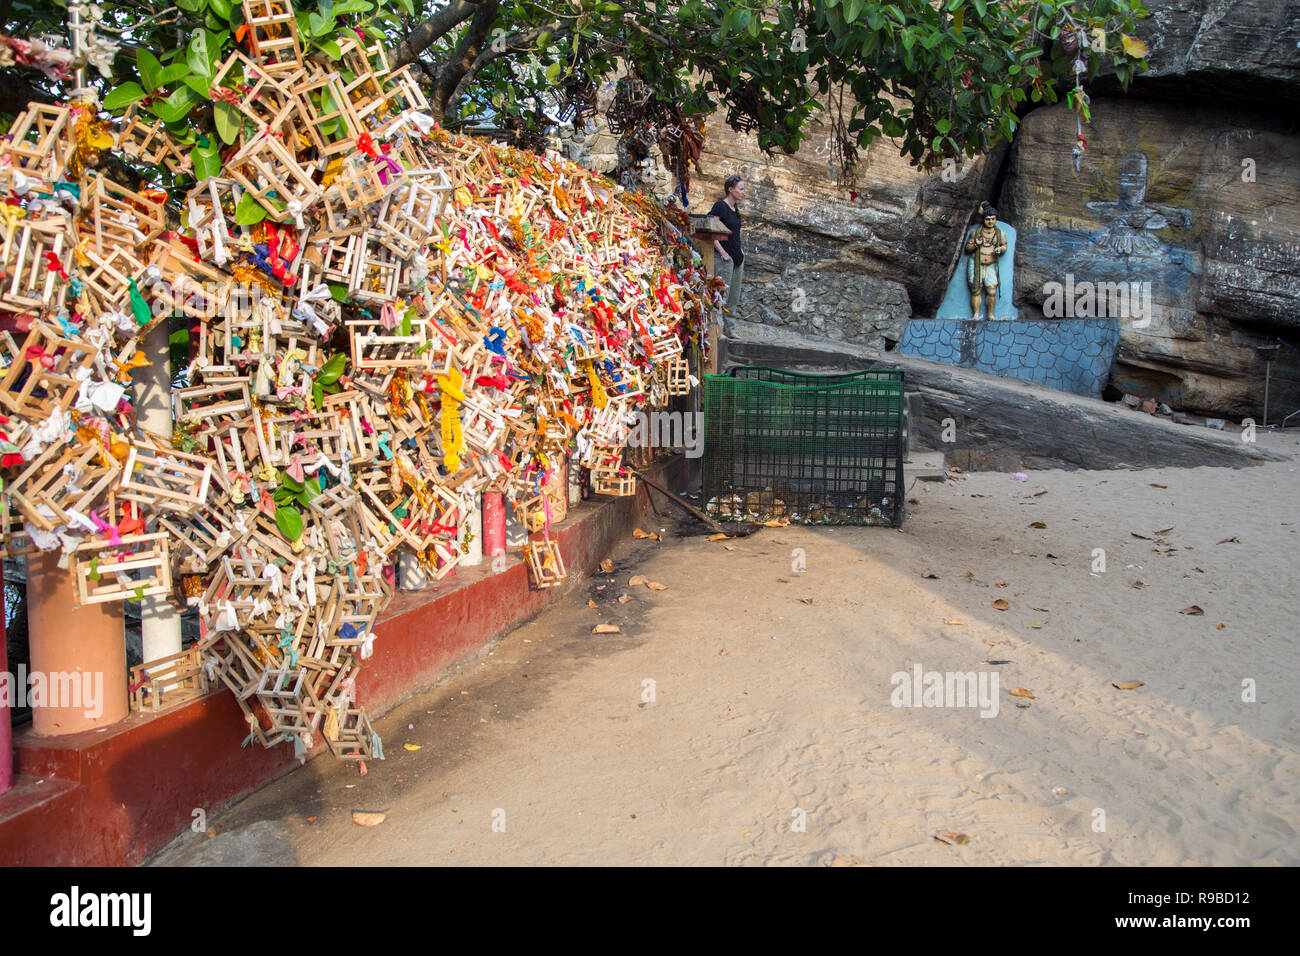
(730, 184)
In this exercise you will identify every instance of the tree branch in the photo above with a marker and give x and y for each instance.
(432, 30)
(513, 44)
(467, 51)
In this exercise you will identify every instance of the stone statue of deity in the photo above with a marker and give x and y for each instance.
(986, 244)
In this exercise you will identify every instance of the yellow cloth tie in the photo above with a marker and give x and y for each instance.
(453, 441)
(598, 396)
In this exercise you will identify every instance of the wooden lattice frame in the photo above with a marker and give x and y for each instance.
(374, 347)
(43, 157)
(213, 401)
(265, 166)
(62, 479)
(103, 569)
(59, 381)
(168, 682)
(165, 479)
(273, 34)
(31, 283)
(545, 563)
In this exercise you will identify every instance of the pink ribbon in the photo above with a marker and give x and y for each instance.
(294, 470)
(392, 166)
(104, 527)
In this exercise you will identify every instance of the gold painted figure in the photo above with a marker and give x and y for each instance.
(986, 244)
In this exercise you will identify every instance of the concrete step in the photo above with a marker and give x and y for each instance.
(924, 466)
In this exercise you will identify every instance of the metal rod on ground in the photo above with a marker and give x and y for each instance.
(737, 528)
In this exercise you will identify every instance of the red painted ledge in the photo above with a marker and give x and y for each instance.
(115, 796)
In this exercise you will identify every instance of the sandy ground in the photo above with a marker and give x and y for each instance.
(771, 738)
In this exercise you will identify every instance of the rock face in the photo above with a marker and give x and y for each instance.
(902, 229)
(1224, 49)
(1192, 212)
(1190, 187)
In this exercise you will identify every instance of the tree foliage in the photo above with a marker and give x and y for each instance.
(941, 78)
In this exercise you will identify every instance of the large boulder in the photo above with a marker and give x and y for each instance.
(1195, 208)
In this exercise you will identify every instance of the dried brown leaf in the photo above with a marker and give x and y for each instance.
(605, 629)
(1022, 692)
(367, 818)
(656, 586)
(717, 537)
(638, 533)
(1037, 524)
(636, 580)
(1194, 610)
(952, 837)
(1001, 605)
(1126, 684)
(607, 566)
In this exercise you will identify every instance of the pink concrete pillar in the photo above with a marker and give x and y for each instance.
(494, 524)
(79, 653)
(6, 729)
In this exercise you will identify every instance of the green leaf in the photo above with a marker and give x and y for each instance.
(180, 337)
(981, 7)
(206, 161)
(293, 484)
(221, 8)
(149, 68)
(339, 291)
(289, 521)
(310, 490)
(170, 74)
(249, 212)
(943, 126)
(190, 6)
(332, 49)
(124, 95)
(332, 370)
(200, 84)
(227, 121)
(320, 25)
(408, 6)
(553, 72)
(197, 54)
(852, 10)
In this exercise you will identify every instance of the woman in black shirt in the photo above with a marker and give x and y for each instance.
(729, 260)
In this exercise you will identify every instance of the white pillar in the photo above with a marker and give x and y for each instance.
(474, 528)
(160, 621)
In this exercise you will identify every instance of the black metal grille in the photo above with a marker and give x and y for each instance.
(816, 449)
